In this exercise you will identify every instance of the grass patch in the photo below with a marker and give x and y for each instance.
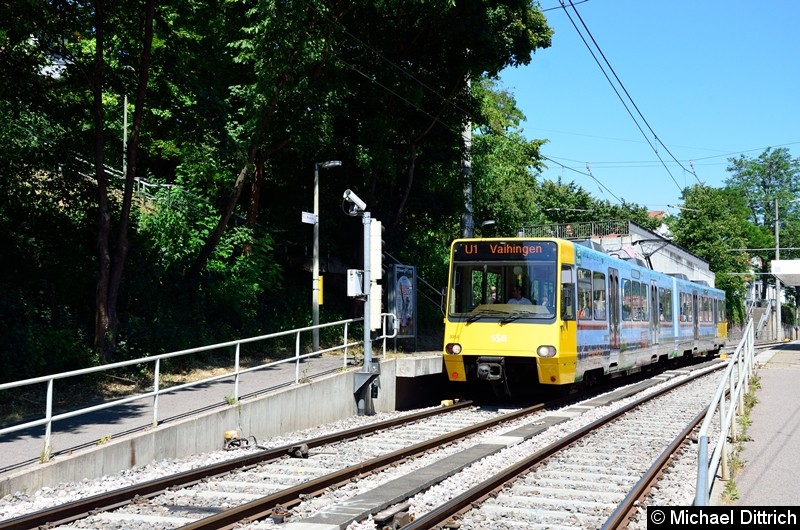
(730, 493)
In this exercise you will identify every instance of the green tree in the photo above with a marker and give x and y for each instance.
(571, 203)
(241, 100)
(769, 181)
(505, 164)
(714, 226)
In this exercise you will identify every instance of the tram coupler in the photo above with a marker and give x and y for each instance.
(363, 391)
(491, 368)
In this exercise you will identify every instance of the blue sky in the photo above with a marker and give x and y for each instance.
(712, 79)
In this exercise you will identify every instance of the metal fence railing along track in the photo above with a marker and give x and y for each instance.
(263, 342)
(726, 406)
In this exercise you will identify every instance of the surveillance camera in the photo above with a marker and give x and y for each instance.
(351, 197)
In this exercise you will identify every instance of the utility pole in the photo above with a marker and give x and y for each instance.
(467, 218)
(315, 257)
(779, 330)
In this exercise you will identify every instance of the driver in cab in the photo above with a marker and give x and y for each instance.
(516, 296)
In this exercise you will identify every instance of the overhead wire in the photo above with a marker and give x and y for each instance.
(454, 105)
(585, 174)
(563, 166)
(613, 86)
(435, 92)
(745, 151)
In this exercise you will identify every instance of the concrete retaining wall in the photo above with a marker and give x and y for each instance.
(324, 400)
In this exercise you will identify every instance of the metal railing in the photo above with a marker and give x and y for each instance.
(727, 403)
(764, 318)
(583, 230)
(157, 390)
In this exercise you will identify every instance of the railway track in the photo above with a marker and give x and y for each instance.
(596, 476)
(281, 475)
(377, 473)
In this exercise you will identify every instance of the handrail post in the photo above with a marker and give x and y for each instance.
(703, 474)
(736, 400)
(297, 358)
(344, 357)
(48, 442)
(384, 317)
(156, 388)
(236, 377)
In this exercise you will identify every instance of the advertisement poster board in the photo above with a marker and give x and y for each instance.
(403, 298)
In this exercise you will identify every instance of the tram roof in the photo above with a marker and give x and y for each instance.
(625, 235)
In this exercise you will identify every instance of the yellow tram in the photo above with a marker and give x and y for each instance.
(522, 312)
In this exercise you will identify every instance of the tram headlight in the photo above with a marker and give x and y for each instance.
(453, 348)
(546, 351)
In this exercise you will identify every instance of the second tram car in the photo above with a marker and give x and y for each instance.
(584, 314)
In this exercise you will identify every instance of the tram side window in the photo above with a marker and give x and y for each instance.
(686, 307)
(455, 293)
(493, 282)
(477, 275)
(465, 291)
(584, 294)
(567, 293)
(706, 309)
(627, 299)
(644, 300)
(665, 301)
(634, 301)
(485, 286)
(599, 290)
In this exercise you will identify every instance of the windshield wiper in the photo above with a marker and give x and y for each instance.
(482, 313)
(514, 316)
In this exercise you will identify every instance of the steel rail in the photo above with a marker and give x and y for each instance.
(479, 493)
(262, 508)
(620, 517)
(79, 509)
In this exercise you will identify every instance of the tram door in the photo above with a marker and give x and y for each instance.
(695, 319)
(654, 312)
(613, 314)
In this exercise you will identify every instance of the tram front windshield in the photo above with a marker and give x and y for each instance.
(503, 277)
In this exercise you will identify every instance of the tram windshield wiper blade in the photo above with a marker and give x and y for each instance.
(514, 316)
(484, 313)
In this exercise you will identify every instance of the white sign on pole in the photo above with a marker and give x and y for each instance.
(308, 218)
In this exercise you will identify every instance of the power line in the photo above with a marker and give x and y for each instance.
(747, 151)
(613, 86)
(447, 101)
(454, 105)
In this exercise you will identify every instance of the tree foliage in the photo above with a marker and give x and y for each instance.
(231, 105)
(714, 225)
(768, 185)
